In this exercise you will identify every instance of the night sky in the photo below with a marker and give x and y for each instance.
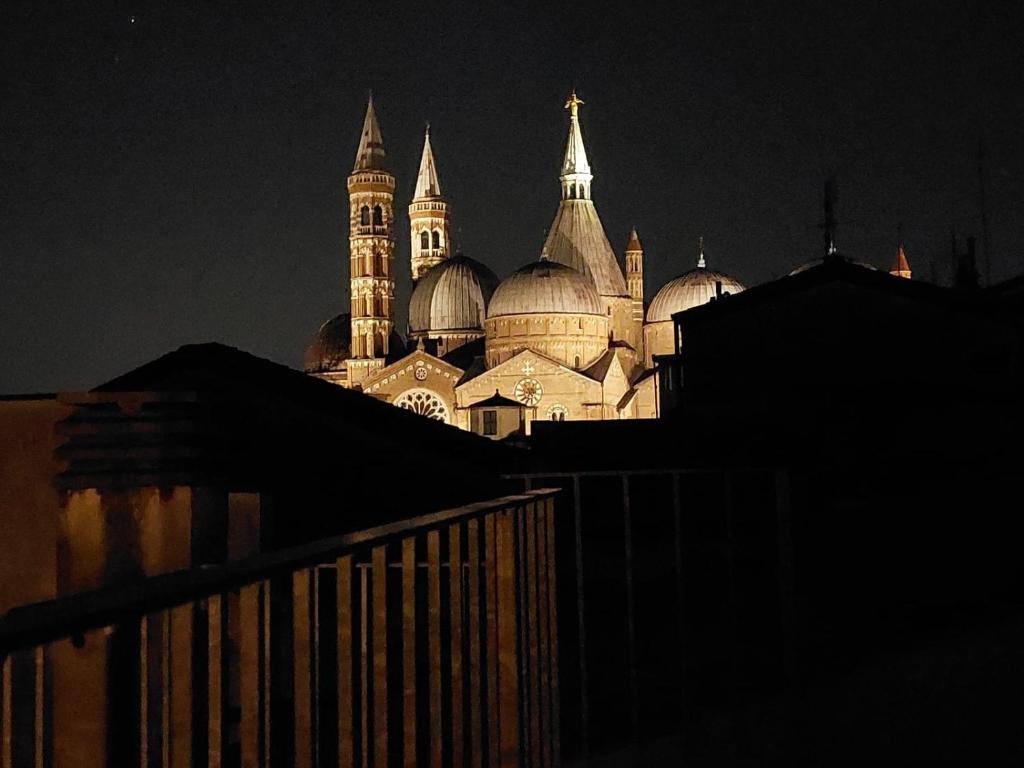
(173, 174)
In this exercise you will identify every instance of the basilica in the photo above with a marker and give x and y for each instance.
(566, 337)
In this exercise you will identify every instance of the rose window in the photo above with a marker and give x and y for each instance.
(528, 391)
(425, 403)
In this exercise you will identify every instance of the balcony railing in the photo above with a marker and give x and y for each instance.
(431, 641)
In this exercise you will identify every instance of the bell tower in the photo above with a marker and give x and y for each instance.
(635, 274)
(371, 242)
(428, 216)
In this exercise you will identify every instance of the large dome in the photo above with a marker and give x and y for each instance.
(690, 289)
(330, 346)
(452, 296)
(545, 287)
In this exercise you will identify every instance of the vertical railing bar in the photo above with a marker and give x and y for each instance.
(267, 659)
(346, 753)
(315, 664)
(409, 650)
(214, 677)
(491, 592)
(434, 645)
(677, 521)
(144, 691)
(380, 658)
(580, 618)
(787, 586)
(476, 707)
(552, 588)
(165, 689)
(38, 658)
(627, 542)
(455, 601)
(529, 511)
(525, 665)
(6, 713)
(730, 542)
(364, 668)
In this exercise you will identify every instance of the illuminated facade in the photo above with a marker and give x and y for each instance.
(371, 192)
(566, 335)
(428, 217)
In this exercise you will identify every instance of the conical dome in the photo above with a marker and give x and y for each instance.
(545, 287)
(452, 296)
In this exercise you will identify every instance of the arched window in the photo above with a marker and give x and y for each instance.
(378, 216)
(437, 239)
(424, 240)
(577, 365)
(364, 216)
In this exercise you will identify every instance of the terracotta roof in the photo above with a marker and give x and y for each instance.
(634, 241)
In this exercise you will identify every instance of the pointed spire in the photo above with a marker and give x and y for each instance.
(427, 182)
(901, 267)
(701, 263)
(830, 219)
(576, 174)
(634, 242)
(370, 155)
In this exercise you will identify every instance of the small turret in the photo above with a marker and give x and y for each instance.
(428, 216)
(900, 266)
(635, 274)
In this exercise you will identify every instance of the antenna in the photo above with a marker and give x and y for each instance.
(986, 255)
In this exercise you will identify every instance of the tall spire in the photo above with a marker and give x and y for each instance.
(900, 267)
(576, 174)
(370, 155)
(635, 275)
(427, 182)
(701, 263)
(831, 251)
(428, 216)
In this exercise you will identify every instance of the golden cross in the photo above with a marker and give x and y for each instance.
(573, 103)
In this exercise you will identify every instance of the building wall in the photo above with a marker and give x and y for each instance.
(624, 326)
(29, 501)
(561, 390)
(659, 339)
(574, 340)
(422, 382)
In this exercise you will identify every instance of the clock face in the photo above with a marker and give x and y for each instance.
(528, 391)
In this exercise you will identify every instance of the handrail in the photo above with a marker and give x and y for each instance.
(51, 620)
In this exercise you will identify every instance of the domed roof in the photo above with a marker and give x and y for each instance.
(545, 287)
(452, 296)
(330, 346)
(690, 289)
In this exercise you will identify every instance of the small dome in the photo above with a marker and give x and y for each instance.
(690, 289)
(331, 345)
(545, 287)
(452, 296)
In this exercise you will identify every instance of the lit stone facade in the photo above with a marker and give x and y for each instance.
(551, 390)
(371, 191)
(428, 217)
(575, 340)
(565, 336)
(420, 383)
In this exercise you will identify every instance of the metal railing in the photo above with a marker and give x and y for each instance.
(676, 589)
(362, 650)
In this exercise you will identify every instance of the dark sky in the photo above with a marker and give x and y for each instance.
(181, 177)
